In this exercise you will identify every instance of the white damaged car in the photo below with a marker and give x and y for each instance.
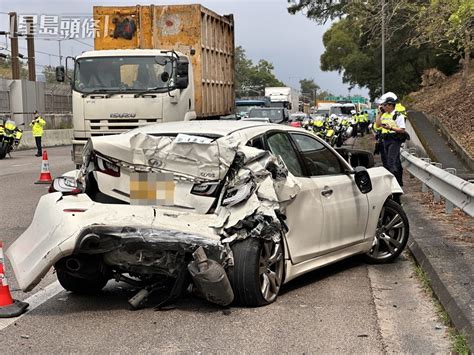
(233, 209)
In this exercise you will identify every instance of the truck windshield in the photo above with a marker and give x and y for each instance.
(274, 115)
(122, 74)
(342, 110)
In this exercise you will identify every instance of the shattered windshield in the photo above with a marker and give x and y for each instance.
(121, 74)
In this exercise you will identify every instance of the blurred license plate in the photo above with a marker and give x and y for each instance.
(152, 189)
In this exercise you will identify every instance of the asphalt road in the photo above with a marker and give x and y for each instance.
(349, 307)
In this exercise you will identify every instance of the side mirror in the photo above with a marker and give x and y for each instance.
(357, 157)
(182, 73)
(362, 179)
(60, 74)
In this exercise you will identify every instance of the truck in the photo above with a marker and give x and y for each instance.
(285, 97)
(151, 64)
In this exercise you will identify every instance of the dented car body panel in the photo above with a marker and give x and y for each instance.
(320, 219)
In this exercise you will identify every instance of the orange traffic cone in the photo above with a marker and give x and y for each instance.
(8, 306)
(45, 175)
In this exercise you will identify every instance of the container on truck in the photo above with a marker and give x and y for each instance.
(152, 64)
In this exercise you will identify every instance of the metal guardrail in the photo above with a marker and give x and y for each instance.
(444, 182)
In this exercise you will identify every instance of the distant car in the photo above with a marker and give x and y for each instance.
(257, 204)
(299, 116)
(275, 115)
(321, 113)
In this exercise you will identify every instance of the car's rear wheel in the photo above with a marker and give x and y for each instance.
(391, 235)
(79, 285)
(258, 270)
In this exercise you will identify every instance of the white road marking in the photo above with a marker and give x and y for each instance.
(35, 300)
(22, 164)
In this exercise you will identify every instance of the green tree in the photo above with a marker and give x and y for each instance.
(449, 26)
(6, 69)
(353, 44)
(251, 79)
(309, 90)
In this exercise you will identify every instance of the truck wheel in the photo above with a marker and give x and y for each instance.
(257, 274)
(391, 235)
(80, 285)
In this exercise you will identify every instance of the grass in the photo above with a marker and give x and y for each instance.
(458, 341)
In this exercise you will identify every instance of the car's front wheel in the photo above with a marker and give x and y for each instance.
(391, 235)
(258, 270)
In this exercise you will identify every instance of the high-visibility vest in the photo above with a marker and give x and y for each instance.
(389, 120)
(400, 108)
(37, 126)
(318, 123)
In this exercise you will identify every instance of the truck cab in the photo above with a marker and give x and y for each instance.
(117, 90)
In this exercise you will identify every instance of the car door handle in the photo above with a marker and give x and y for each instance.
(327, 192)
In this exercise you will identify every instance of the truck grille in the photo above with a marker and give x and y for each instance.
(115, 126)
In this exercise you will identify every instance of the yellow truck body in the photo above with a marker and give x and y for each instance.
(204, 36)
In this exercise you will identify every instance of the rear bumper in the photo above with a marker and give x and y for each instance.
(62, 225)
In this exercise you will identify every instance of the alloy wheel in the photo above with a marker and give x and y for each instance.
(271, 269)
(390, 234)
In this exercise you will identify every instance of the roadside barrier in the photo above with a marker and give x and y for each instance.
(8, 306)
(45, 175)
(443, 182)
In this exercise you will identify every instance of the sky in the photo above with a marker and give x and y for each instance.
(263, 28)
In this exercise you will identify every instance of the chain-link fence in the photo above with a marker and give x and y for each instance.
(4, 102)
(57, 98)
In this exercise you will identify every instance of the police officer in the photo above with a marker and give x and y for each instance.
(37, 129)
(393, 135)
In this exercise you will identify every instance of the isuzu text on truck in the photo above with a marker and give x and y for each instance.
(139, 72)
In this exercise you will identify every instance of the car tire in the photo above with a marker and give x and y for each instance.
(80, 285)
(391, 235)
(258, 271)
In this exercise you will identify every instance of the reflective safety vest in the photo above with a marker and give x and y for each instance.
(366, 117)
(389, 120)
(37, 126)
(318, 123)
(400, 108)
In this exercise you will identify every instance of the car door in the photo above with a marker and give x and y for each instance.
(345, 208)
(304, 214)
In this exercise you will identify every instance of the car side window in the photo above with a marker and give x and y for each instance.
(318, 158)
(280, 144)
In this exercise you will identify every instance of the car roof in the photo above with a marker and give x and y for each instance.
(208, 127)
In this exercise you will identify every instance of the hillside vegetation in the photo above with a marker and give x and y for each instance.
(451, 106)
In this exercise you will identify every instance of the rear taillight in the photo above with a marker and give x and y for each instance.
(205, 189)
(107, 167)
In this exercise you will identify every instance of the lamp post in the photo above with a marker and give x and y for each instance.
(383, 47)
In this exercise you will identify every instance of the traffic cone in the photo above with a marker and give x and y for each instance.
(8, 306)
(45, 175)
